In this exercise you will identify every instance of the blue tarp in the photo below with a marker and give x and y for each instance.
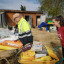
(43, 24)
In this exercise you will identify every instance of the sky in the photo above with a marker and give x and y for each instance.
(31, 5)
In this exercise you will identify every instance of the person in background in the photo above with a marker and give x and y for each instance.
(25, 34)
(58, 21)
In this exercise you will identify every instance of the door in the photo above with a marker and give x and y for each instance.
(29, 19)
(2, 19)
(37, 17)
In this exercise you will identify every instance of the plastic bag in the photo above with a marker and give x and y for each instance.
(28, 55)
(17, 44)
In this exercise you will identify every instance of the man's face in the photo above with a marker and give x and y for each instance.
(17, 19)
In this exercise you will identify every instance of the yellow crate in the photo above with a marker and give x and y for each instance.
(38, 62)
(50, 23)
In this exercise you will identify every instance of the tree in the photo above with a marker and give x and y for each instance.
(52, 7)
(23, 8)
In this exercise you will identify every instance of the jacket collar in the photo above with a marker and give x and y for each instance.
(20, 20)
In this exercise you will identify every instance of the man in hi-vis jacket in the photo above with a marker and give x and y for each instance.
(25, 35)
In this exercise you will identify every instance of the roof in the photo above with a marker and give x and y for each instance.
(19, 11)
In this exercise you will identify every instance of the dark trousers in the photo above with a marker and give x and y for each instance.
(26, 40)
(63, 51)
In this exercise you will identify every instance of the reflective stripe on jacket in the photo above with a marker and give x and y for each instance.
(24, 28)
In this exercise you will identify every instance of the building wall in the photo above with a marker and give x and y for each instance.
(9, 18)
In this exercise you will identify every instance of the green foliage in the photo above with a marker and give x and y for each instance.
(52, 7)
(23, 8)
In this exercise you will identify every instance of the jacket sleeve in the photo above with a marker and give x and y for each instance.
(63, 33)
(63, 30)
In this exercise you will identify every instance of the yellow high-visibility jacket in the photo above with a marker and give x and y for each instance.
(24, 31)
(23, 26)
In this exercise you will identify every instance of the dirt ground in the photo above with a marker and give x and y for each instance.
(49, 39)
